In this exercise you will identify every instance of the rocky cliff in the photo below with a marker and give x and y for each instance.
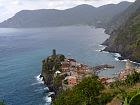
(125, 34)
(49, 68)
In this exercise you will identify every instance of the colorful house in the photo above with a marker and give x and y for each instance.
(72, 80)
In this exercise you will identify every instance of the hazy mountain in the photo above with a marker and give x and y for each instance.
(120, 19)
(125, 37)
(82, 14)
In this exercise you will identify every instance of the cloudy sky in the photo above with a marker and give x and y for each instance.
(9, 7)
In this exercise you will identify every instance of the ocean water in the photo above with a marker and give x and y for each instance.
(22, 50)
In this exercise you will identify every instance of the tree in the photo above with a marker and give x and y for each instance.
(133, 78)
(85, 93)
(135, 100)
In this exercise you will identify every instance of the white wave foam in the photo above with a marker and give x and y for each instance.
(47, 100)
(39, 80)
(46, 88)
(98, 50)
(34, 84)
(41, 89)
(117, 55)
(50, 93)
(105, 52)
(125, 60)
(116, 59)
(101, 47)
(135, 62)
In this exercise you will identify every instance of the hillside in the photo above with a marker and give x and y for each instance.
(120, 19)
(82, 14)
(90, 91)
(125, 37)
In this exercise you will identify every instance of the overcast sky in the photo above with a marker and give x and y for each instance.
(9, 7)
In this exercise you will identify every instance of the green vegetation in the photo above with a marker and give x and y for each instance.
(87, 92)
(49, 67)
(127, 89)
(53, 63)
(90, 91)
(66, 81)
(2, 103)
(131, 80)
(132, 98)
(135, 100)
(58, 80)
(126, 39)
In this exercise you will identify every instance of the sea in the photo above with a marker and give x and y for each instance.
(22, 51)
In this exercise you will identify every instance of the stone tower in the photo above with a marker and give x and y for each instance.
(54, 52)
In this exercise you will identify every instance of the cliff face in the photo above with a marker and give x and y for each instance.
(125, 37)
(49, 68)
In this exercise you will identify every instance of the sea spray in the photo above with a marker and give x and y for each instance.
(40, 79)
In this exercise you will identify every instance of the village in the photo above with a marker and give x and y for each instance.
(128, 70)
(76, 71)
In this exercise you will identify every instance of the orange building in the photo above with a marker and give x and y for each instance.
(72, 80)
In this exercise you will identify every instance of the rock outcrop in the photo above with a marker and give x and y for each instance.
(49, 68)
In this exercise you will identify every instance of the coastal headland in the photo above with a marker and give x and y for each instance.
(62, 73)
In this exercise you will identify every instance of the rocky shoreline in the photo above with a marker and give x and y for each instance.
(61, 73)
(124, 34)
(124, 56)
(118, 48)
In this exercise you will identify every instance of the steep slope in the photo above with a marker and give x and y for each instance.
(120, 19)
(126, 38)
(82, 14)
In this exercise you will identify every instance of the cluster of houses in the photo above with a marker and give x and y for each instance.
(128, 70)
(75, 71)
(70, 64)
